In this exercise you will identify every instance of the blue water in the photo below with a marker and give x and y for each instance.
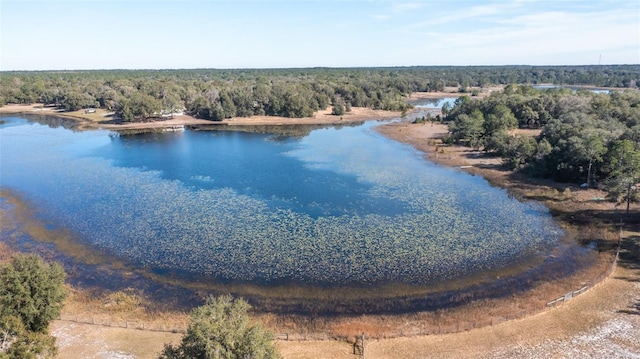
(434, 103)
(336, 206)
(594, 90)
(251, 164)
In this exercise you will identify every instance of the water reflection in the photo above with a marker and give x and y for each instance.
(433, 103)
(334, 207)
(573, 88)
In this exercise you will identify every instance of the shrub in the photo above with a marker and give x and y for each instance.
(221, 329)
(32, 291)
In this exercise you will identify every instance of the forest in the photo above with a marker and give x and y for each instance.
(212, 94)
(584, 137)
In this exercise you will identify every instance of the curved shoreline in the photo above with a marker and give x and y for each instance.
(415, 135)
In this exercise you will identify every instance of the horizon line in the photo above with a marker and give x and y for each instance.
(310, 67)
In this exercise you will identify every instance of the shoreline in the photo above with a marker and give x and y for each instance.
(563, 204)
(424, 137)
(101, 119)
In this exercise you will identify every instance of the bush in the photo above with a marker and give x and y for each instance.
(338, 109)
(31, 295)
(221, 329)
(32, 291)
(16, 342)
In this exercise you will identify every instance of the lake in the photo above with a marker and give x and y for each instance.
(573, 88)
(432, 105)
(328, 207)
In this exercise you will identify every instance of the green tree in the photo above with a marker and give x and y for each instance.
(624, 172)
(446, 109)
(171, 104)
(497, 142)
(221, 329)
(16, 342)
(338, 108)
(593, 151)
(227, 105)
(520, 150)
(500, 118)
(469, 127)
(139, 106)
(32, 291)
(74, 100)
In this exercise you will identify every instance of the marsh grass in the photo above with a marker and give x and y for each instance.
(23, 215)
(387, 297)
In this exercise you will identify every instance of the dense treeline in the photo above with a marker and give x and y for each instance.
(219, 94)
(584, 136)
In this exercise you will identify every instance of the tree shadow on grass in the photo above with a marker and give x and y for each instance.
(630, 255)
(630, 259)
(634, 309)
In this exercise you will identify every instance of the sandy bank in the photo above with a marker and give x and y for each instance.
(104, 120)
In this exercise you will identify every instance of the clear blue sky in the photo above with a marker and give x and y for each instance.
(91, 34)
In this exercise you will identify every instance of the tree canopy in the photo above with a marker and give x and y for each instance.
(218, 94)
(584, 137)
(31, 295)
(222, 329)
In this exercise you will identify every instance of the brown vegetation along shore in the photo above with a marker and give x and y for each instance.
(103, 119)
(559, 197)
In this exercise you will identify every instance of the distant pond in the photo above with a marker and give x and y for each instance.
(432, 105)
(324, 207)
(573, 88)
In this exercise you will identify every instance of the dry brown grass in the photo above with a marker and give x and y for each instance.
(120, 307)
(555, 328)
(81, 341)
(5, 251)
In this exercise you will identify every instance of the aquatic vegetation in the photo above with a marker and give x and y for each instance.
(442, 224)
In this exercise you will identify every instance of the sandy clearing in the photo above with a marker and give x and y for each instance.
(425, 137)
(102, 119)
(80, 341)
(604, 322)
